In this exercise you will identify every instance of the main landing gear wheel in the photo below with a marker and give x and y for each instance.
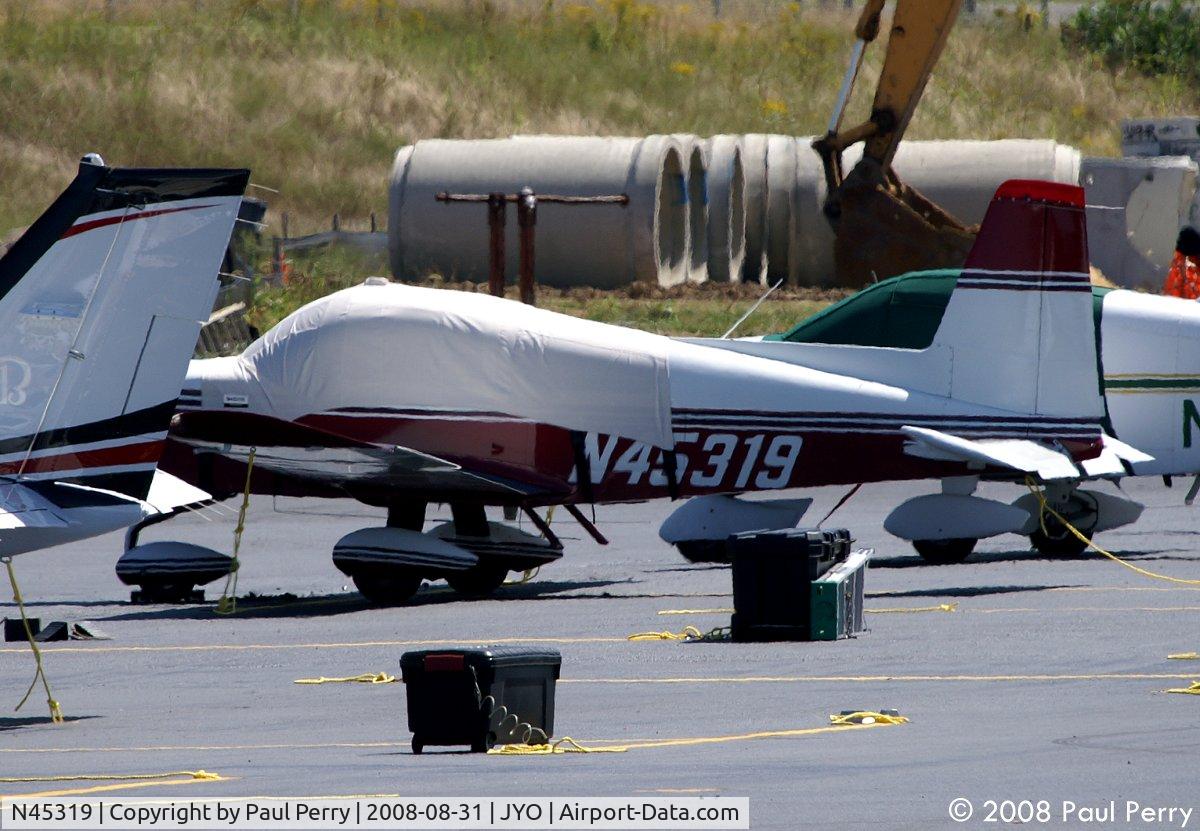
(704, 551)
(1058, 541)
(485, 744)
(387, 589)
(944, 552)
(1082, 509)
(480, 581)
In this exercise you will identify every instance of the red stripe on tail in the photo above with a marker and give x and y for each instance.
(129, 216)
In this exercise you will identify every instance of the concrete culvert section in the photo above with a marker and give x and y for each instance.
(754, 168)
(670, 240)
(395, 208)
(781, 205)
(693, 152)
(726, 208)
(601, 245)
(961, 176)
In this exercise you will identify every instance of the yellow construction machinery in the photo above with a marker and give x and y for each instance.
(882, 226)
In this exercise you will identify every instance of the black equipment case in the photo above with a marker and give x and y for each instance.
(480, 697)
(773, 572)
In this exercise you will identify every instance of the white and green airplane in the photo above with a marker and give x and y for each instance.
(1145, 350)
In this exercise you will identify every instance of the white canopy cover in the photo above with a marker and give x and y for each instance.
(388, 345)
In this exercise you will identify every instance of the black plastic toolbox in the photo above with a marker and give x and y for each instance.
(14, 628)
(480, 697)
(773, 573)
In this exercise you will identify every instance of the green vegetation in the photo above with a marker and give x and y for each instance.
(317, 100)
(316, 95)
(705, 310)
(1152, 37)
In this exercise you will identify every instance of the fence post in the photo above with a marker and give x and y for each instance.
(496, 223)
(527, 220)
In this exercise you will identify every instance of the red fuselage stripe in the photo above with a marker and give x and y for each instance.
(129, 454)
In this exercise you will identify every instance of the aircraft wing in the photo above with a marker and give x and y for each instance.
(1018, 454)
(21, 507)
(392, 467)
(168, 494)
(1022, 455)
(309, 454)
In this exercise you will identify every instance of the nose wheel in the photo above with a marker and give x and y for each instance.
(480, 581)
(944, 552)
(387, 589)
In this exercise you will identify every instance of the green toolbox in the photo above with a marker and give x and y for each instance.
(836, 606)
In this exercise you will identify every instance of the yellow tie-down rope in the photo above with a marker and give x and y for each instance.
(689, 633)
(119, 777)
(564, 745)
(227, 605)
(1194, 689)
(837, 723)
(941, 607)
(365, 678)
(525, 577)
(56, 715)
(868, 717)
(1046, 509)
(1184, 656)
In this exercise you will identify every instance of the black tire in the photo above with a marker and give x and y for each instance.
(418, 746)
(484, 744)
(704, 551)
(945, 552)
(481, 581)
(386, 589)
(166, 592)
(1059, 542)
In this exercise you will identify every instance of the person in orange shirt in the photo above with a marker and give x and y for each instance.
(1183, 280)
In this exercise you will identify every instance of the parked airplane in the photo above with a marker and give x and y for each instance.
(398, 396)
(1148, 356)
(101, 301)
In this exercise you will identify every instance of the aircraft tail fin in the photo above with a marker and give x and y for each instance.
(101, 302)
(1019, 324)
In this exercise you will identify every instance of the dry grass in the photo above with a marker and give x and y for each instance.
(316, 103)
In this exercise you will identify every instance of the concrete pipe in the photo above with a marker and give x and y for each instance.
(695, 158)
(782, 179)
(726, 208)
(600, 245)
(754, 167)
(1136, 207)
(961, 176)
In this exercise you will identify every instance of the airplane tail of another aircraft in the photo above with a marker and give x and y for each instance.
(1019, 324)
(101, 302)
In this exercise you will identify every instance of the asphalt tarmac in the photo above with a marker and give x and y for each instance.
(1045, 683)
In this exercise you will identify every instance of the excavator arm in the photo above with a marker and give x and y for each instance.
(883, 227)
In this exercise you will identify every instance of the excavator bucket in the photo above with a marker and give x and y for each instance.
(881, 226)
(886, 227)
